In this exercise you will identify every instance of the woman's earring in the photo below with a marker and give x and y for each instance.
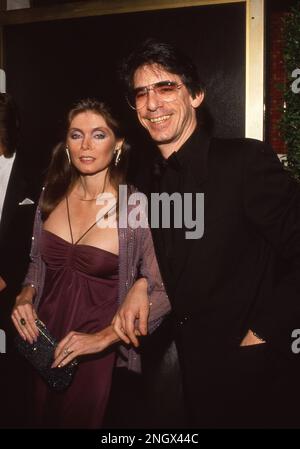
(118, 155)
(68, 155)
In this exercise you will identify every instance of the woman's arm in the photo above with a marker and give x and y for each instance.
(24, 314)
(34, 273)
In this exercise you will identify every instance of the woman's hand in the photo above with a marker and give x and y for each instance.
(135, 307)
(24, 315)
(78, 343)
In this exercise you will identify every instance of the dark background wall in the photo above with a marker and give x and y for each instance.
(50, 65)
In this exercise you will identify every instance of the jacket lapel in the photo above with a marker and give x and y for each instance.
(15, 193)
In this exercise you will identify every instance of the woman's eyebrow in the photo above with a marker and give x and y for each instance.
(98, 128)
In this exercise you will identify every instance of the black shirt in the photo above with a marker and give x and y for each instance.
(177, 174)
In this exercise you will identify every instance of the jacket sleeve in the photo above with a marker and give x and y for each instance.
(272, 204)
(159, 301)
(35, 269)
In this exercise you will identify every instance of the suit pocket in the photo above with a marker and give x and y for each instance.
(251, 362)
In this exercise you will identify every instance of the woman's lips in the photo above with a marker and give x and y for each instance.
(87, 159)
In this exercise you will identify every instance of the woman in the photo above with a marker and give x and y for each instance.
(81, 269)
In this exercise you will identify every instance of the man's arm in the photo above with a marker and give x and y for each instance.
(147, 302)
(272, 206)
(131, 319)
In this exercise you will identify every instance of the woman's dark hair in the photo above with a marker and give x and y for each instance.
(62, 175)
(9, 124)
(167, 56)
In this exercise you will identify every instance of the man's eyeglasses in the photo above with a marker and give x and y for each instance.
(164, 90)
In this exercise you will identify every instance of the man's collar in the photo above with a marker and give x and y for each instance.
(193, 153)
(7, 161)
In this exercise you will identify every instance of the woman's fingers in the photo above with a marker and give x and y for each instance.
(30, 325)
(21, 325)
(23, 317)
(65, 357)
(63, 344)
(64, 350)
(77, 344)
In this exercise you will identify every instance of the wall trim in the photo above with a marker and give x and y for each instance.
(97, 8)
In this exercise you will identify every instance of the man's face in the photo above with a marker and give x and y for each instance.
(169, 123)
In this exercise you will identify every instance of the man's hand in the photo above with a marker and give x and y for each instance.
(250, 339)
(135, 307)
(2, 284)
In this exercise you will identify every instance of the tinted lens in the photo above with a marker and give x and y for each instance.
(164, 90)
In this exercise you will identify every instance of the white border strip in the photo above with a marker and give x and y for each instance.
(255, 69)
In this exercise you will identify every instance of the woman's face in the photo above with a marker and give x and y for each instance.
(91, 143)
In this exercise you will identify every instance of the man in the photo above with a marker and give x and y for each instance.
(17, 207)
(234, 291)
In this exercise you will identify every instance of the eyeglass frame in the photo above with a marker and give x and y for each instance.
(152, 87)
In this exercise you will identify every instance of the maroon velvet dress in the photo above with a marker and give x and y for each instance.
(80, 293)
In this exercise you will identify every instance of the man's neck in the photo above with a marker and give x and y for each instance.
(166, 149)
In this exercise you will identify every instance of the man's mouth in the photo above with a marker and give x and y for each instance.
(161, 119)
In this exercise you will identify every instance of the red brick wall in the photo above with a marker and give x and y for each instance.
(276, 76)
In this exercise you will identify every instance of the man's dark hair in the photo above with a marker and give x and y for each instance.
(167, 56)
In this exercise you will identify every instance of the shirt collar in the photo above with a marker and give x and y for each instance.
(193, 154)
(6, 161)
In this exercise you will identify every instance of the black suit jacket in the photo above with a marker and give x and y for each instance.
(245, 270)
(16, 226)
(15, 241)
(244, 273)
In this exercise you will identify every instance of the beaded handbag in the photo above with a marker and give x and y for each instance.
(41, 355)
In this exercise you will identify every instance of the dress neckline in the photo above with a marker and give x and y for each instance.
(80, 244)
